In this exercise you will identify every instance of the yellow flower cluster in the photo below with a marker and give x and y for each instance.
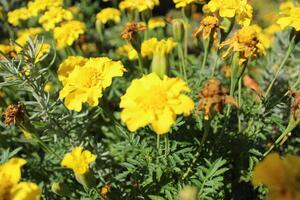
(156, 102)
(154, 46)
(68, 32)
(78, 160)
(290, 17)
(139, 5)
(156, 22)
(184, 3)
(33, 8)
(239, 9)
(84, 80)
(54, 16)
(10, 186)
(281, 176)
(109, 14)
(246, 41)
(128, 51)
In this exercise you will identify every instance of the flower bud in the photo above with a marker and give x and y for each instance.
(60, 189)
(159, 64)
(188, 193)
(178, 30)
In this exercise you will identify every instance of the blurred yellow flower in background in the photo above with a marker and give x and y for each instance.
(109, 14)
(153, 101)
(139, 5)
(156, 22)
(281, 176)
(184, 3)
(78, 160)
(128, 51)
(86, 84)
(66, 34)
(16, 16)
(239, 9)
(291, 18)
(10, 186)
(54, 16)
(154, 46)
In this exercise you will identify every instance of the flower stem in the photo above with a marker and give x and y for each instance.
(206, 51)
(140, 61)
(182, 64)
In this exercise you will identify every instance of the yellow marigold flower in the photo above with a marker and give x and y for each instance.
(139, 5)
(286, 6)
(68, 65)
(128, 51)
(37, 6)
(153, 46)
(263, 37)
(86, 84)
(156, 102)
(156, 22)
(25, 34)
(108, 14)
(15, 17)
(10, 187)
(232, 8)
(68, 32)
(245, 41)
(184, 3)
(279, 175)
(54, 16)
(78, 160)
(208, 26)
(48, 87)
(7, 50)
(290, 18)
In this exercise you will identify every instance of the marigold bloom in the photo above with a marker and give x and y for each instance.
(78, 160)
(263, 36)
(10, 187)
(7, 50)
(245, 41)
(154, 46)
(208, 26)
(290, 18)
(232, 8)
(128, 51)
(109, 14)
(14, 114)
(139, 5)
(68, 32)
(68, 65)
(184, 3)
(25, 35)
(131, 30)
(156, 22)
(279, 175)
(213, 97)
(85, 84)
(54, 16)
(15, 17)
(156, 102)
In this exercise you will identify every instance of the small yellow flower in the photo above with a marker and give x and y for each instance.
(68, 32)
(86, 84)
(109, 14)
(280, 176)
(139, 5)
(263, 37)
(154, 46)
(68, 65)
(232, 8)
(208, 26)
(128, 51)
(156, 102)
(78, 160)
(25, 35)
(184, 3)
(290, 18)
(10, 186)
(41, 50)
(246, 41)
(15, 17)
(7, 50)
(54, 16)
(156, 22)
(48, 87)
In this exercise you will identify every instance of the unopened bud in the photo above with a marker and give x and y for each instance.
(159, 64)
(178, 30)
(87, 179)
(60, 189)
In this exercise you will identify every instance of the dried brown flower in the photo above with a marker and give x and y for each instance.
(208, 27)
(14, 114)
(213, 97)
(295, 106)
(131, 29)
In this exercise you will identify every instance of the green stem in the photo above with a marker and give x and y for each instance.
(239, 103)
(182, 65)
(215, 63)
(287, 55)
(140, 61)
(166, 145)
(206, 51)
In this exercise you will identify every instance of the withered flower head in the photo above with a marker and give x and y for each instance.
(14, 114)
(131, 29)
(213, 97)
(295, 106)
(208, 27)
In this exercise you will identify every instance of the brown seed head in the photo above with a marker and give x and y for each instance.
(213, 97)
(14, 114)
(295, 106)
